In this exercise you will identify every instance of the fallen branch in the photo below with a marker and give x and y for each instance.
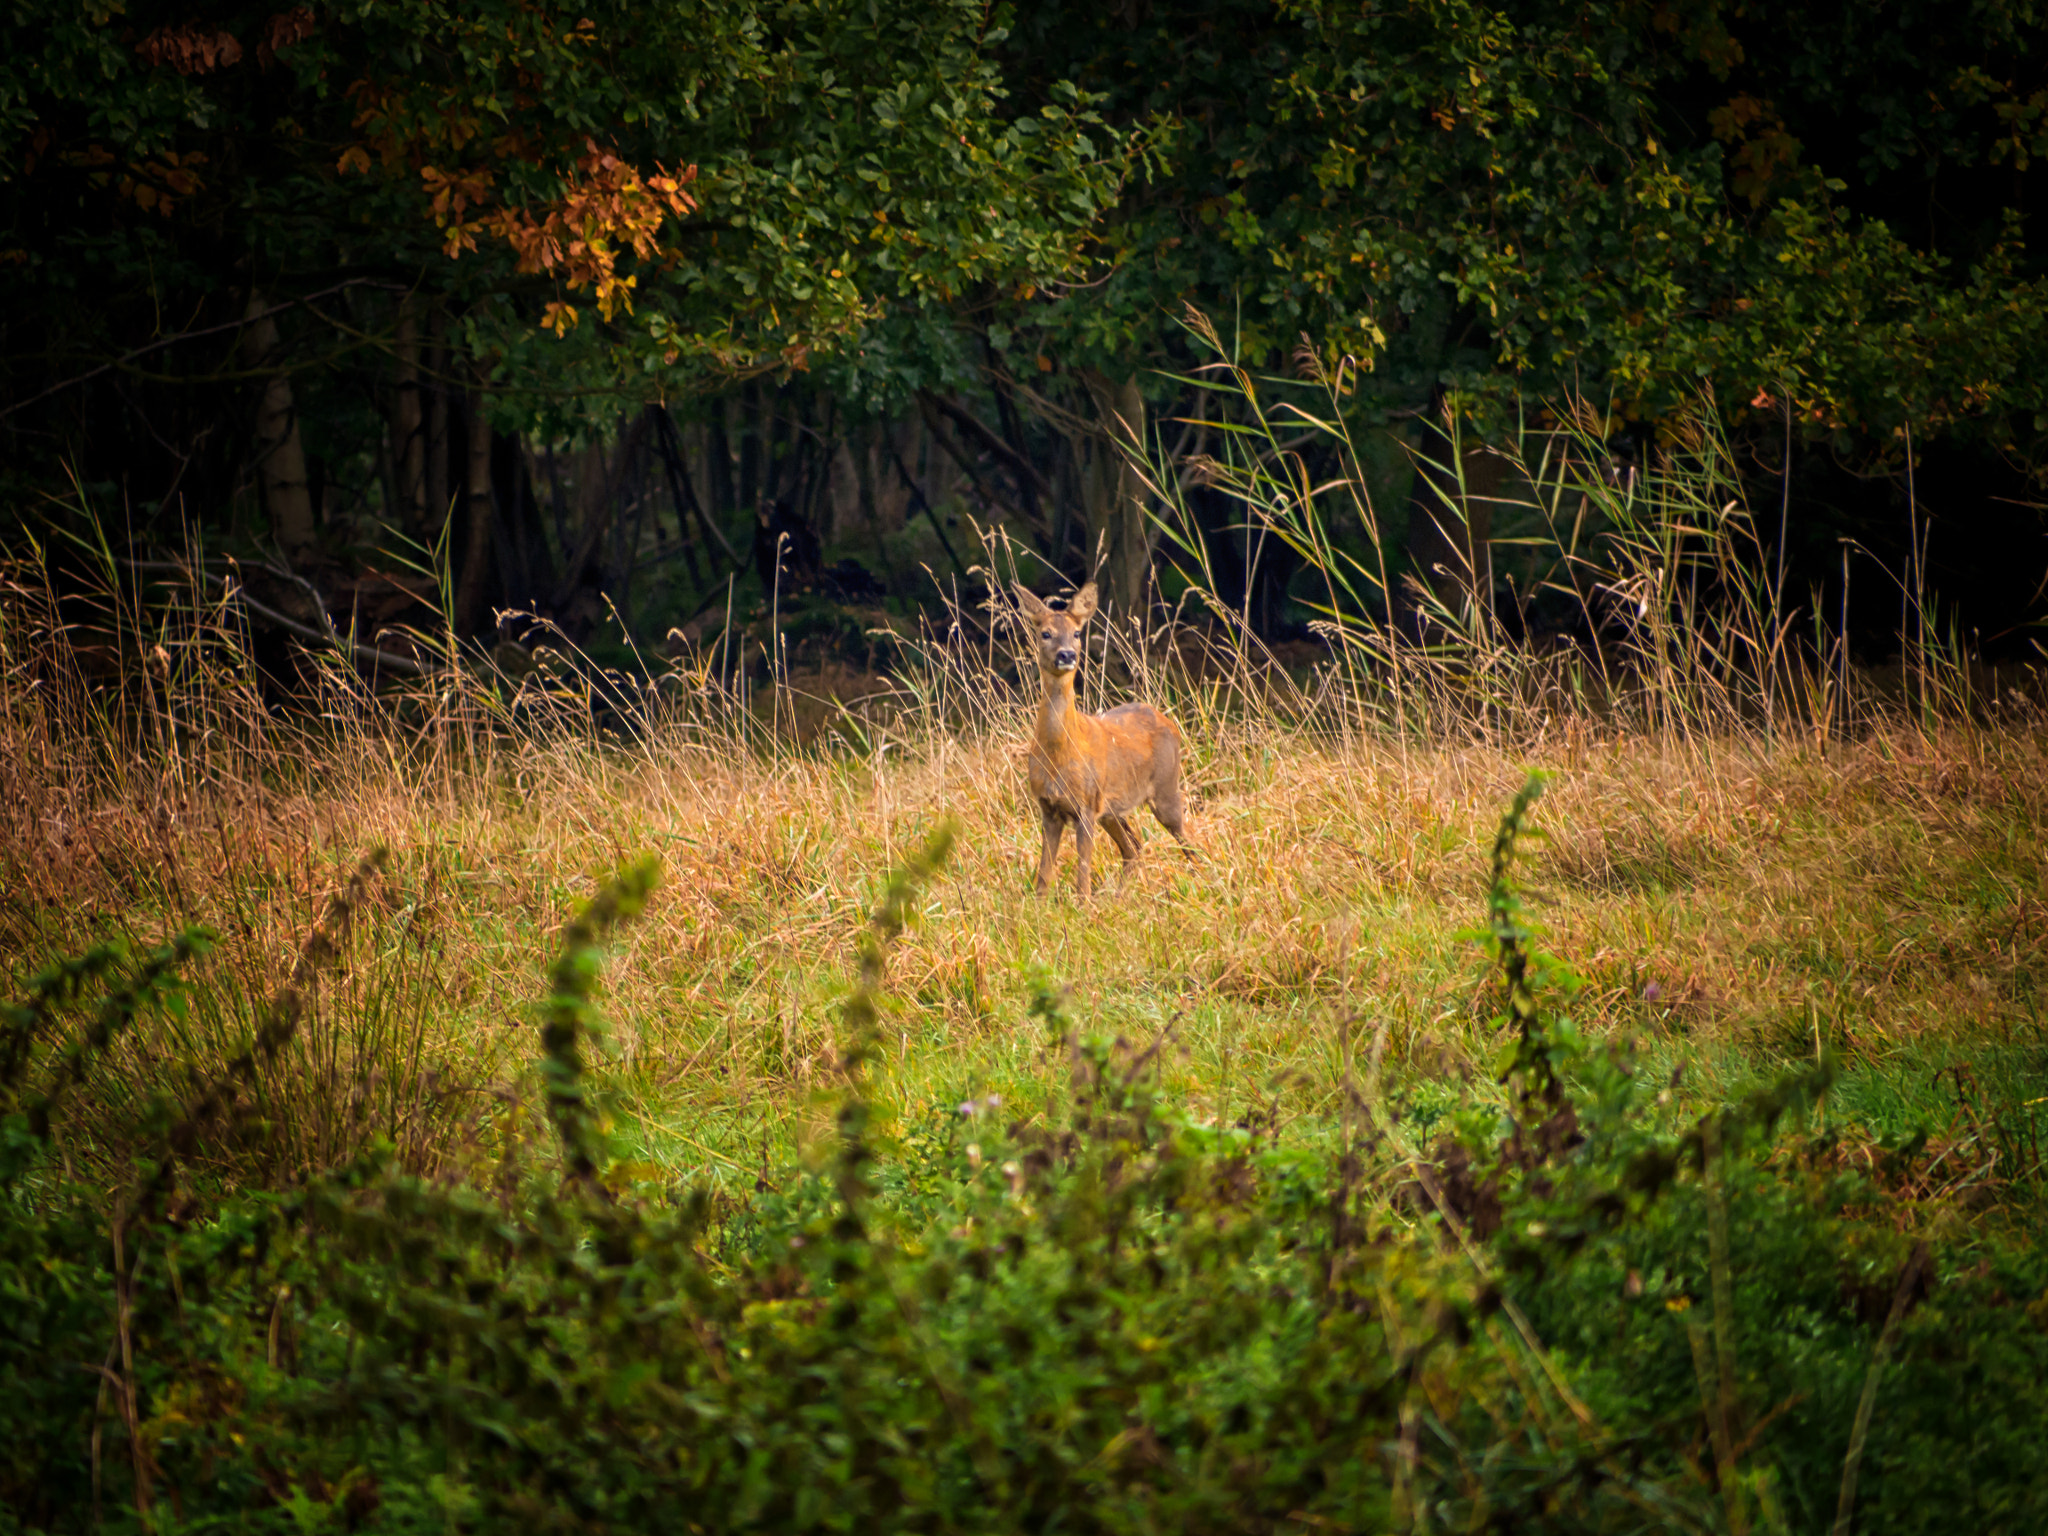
(325, 634)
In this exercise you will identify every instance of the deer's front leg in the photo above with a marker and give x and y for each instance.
(1126, 841)
(1054, 827)
(1084, 849)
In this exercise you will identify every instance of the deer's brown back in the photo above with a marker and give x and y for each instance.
(1111, 763)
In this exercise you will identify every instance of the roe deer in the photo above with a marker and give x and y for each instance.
(1094, 768)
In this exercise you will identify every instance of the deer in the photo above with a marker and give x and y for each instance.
(1094, 770)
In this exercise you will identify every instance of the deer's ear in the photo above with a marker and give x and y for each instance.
(1081, 606)
(1028, 603)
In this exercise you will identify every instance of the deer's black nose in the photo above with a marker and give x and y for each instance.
(1065, 658)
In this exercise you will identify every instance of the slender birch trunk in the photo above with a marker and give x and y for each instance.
(1119, 533)
(408, 424)
(281, 461)
(439, 493)
(480, 522)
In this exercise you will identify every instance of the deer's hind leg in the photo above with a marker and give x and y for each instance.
(1054, 826)
(1171, 810)
(1127, 844)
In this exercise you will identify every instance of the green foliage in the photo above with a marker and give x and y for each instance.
(1619, 198)
(845, 158)
(1720, 1277)
(1526, 199)
(49, 989)
(569, 1016)
(152, 981)
(543, 214)
(1122, 1320)
(1536, 1044)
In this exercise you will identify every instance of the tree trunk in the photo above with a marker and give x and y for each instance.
(1119, 532)
(596, 502)
(634, 436)
(439, 495)
(750, 453)
(718, 462)
(558, 503)
(868, 458)
(680, 493)
(281, 461)
(525, 536)
(408, 425)
(474, 585)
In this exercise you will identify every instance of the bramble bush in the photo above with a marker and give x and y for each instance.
(1575, 1313)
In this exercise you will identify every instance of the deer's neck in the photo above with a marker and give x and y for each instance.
(1056, 715)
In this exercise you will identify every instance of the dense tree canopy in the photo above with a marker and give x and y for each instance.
(783, 168)
(1829, 202)
(537, 215)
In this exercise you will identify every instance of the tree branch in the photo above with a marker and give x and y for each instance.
(990, 439)
(171, 341)
(959, 456)
(326, 634)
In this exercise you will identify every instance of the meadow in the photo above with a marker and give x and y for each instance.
(1562, 1092)
(1731, 904)
(523, 1001)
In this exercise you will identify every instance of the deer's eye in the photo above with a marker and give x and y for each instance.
(1047, 635)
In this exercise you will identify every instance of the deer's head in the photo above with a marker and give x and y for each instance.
(1055, 633)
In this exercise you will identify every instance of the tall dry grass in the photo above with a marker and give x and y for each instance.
(1725, 893)
(1751, 852)
(1575, 588)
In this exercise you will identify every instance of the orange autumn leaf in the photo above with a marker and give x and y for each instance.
(607, 208)
(190, 49)
(283, 30)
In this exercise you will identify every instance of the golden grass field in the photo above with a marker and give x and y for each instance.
(1731, 904)
(1752, 856)
(1754, 851)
